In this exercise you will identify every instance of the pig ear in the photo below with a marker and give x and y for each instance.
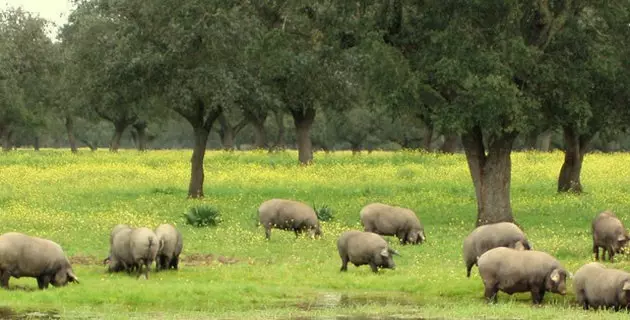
(626, 286)
(555, 275)
(394, 252)
(384, 252)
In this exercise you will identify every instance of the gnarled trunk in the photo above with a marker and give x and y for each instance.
(545, 141)
(70, 131)
(260, 135)
(226, 133)
(119, 129)
(195, 188)
(303, 120)
(574, 152)
(428, 136)
(279, 143)
(491, 174)
(140, 128)
(201, 128)
(6, 133)
(450, 144)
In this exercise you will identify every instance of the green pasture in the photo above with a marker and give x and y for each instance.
(231, 271)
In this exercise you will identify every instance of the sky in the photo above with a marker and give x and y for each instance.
(54, 10)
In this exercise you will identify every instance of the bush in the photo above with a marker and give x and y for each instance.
(202, 216)
(324, 213)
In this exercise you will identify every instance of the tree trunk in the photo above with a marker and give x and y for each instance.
(356, 149)
(428, 136)
(574, 152)
(70, 132)
(260, 136)
(303, 120)
(226, 132)
(491, 175)
(195, 188)
(141, 135)
(531, 141)
(36, 143)
(6, 134)
(279, 143)
(545, 141)
(450, 144)
(119, 129)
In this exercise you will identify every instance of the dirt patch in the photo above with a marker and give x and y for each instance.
(207, 259)
(85, 260)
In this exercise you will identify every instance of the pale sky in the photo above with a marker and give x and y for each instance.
(54, 10)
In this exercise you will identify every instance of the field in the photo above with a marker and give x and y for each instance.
(231, 271)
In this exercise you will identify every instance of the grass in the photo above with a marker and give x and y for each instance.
(230, 271)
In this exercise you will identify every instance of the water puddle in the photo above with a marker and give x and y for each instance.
(342, 300)
(361, 317)
(8, 313)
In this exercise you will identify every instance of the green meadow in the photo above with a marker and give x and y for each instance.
(231, 271)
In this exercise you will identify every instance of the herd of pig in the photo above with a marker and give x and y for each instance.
(501, 251)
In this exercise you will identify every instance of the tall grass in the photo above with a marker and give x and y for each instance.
(230, 270)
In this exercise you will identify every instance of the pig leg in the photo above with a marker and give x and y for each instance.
(580, 297)
(537, 295)
(611, 253)
(4, 279)
(596, 252)
(43, 282)
(491, 290)
(402, 237)
(267, 232)
(374, 267)
(174, 262)
(344, 263)
(468, 268)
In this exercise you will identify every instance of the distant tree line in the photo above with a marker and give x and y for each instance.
(483, 77)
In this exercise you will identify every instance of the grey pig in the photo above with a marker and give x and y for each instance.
(489, 236)
(120, 251)
(396, 221)
(27, 256)
(362, 248)
(172, 244)
(511, 271)
(608, 234)
(597, 286)
(117, 228)
(288, 215)
(144, 246)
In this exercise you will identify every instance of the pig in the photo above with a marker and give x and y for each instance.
(511, 271)
(389, 220)
(27, 256)
(143, 247)
(362, 248)
(608, 234)
(597, 286)
(115, 230)
(172, 244)
(288, 215)
(120, 257)
(489, 236)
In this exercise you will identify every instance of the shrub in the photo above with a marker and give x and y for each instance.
(324, 213)
(202, 216)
